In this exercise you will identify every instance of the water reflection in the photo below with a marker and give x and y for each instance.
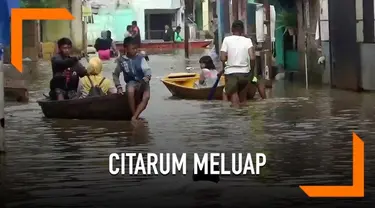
(122, 133)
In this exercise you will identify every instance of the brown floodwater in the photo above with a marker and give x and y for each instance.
(306, 135)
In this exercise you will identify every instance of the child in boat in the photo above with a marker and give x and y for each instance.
(137, 75)
(208, 75)
(94, 84)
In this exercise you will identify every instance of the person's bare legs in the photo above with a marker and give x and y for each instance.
(225, 97)
(142, 105)
(231, 89)
(59, 94)
(235, 100)
(60, 97)
(262, 90)
(243, 94)
(252, 90)
(131, 98)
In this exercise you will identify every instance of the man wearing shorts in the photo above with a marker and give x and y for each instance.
(238, 53)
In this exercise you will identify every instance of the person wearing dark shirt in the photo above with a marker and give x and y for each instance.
(103, 46)
(136, 34)
(168, 33)
(113, 49)
(66, 71)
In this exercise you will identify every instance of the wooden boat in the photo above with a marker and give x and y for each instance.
(181, 85)
(160, 44)
(109, 107)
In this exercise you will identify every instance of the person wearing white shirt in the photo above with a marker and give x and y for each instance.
(237, 52)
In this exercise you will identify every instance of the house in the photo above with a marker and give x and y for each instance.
(151, 16)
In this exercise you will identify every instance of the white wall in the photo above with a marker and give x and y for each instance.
(77, 25)
(139, 7)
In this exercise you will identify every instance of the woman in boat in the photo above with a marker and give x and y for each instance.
(177, 38)
(103, 46)
(94, 84)
(66, 71)
(113, 49)
(208, 75)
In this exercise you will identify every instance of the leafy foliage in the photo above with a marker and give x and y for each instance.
(287, 19)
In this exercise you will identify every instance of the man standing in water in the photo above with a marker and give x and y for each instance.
(237, 52)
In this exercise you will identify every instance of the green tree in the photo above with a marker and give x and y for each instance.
(38, 3)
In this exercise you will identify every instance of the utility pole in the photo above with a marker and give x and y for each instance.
(219, 12)
(186, 28)
(267, 42)
(2, 100)
(84, 27)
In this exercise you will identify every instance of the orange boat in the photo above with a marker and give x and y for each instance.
(181, 85)
(160, 44)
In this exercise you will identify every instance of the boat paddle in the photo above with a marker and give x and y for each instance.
(213, 89)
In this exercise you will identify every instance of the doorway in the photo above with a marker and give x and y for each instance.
(154, 24)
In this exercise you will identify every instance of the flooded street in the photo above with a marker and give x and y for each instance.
(305, 134)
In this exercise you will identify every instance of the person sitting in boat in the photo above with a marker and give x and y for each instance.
(113, 48)
(103, 46)
(208, 75)
(66, 71)
(137, 75)
(177, 38)
(94, 84)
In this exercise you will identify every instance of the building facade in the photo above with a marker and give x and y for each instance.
(52, 30)
(151, 16)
